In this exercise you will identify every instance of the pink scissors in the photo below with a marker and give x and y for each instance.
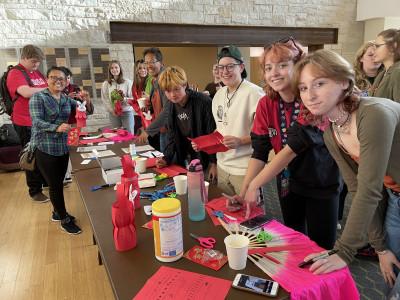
(206, 242)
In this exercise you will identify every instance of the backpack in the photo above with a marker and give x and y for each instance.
(6, 101)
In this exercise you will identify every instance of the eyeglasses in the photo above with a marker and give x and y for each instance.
(150, 63)
(286, 40)
(55, 78)
(378, 45)
(228, 67)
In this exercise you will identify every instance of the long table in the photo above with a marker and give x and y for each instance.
(129, 271)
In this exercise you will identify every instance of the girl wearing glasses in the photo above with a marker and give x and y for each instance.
(387, 52)
(307, 176)
(114, 85)
(364, 139)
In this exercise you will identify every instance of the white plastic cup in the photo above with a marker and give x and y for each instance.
(207, 185)
(237, 246)
(180, 182)
(141, 164)
(142, 102)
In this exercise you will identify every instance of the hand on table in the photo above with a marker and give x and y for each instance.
(142, 138)
(386, 263)
(161, 163)
(250, 199)
(325, 265)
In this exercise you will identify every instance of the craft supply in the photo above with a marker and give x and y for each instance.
(211, 143)
(148, 225)
(171, 283)
(147, 210)
(86, 161)
(132, 150)
(209, 258)
(91, 148)
(314, 259)
(167, 229)
(205, 242)
(197, 194)
(167, 191)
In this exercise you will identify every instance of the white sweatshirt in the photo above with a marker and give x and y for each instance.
(236, 120)
(107, 88)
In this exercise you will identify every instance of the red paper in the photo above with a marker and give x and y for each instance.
(220, 204)
(171, 283)
(151, 162)
(209, 258)
(172, 170)
(148, 225)
(211, 143)
(73, 137)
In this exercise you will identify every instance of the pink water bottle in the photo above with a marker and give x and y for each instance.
(197, 194)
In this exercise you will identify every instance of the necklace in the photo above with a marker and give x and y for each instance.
(334, 121)
(228, 104)
(345, 126)
(295, 105)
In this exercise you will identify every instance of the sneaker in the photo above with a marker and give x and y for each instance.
(67, 180)
(40, 198)
(69, 226)
(56, 218)
(339, 226)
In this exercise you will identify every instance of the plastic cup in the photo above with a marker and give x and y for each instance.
(180, 182)
(142, 102)
(141, 163)
(236, 248)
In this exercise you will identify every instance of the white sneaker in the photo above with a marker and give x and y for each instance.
(338, 226)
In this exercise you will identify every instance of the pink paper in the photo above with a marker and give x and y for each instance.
(211, 143)
(301, 283)
(151, 162)
(124, 138)
(220, 204)
(171, 283)
(92, 141)
(171, 170)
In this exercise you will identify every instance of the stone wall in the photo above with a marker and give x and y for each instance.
(85, 23)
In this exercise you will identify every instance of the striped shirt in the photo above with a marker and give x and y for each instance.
(47, 114)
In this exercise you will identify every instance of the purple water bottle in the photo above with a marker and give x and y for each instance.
(197, 194)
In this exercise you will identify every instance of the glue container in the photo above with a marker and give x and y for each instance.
(167, 229)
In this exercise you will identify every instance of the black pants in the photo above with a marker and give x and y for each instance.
(34, 179)
(342, 198)
(53, 169)
(314, 216)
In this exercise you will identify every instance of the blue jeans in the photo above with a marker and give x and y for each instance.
(392, 227)
(126, 120)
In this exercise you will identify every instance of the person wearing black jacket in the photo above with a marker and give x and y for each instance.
(189, 116)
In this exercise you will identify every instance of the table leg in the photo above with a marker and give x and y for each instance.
(94, 240)
(99, 258)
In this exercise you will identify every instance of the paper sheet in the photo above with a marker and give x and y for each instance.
(211, 143)
(99, 154)
(171, 170)
(171, 283)
(90, 148)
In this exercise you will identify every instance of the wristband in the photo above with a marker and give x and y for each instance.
(383, 252)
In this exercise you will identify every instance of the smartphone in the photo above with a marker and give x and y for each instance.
(256, 285)
(256, 222)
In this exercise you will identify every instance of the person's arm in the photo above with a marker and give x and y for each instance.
(105, 97)
(36, 109)
(27, 91)
(395, 81)
(162, 118)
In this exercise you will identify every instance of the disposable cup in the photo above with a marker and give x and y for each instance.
(142, 102)
(236, 248)
(180, 182)
(141, 164)
(206, 184)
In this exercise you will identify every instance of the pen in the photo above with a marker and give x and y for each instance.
(99, 187)
(313, 260)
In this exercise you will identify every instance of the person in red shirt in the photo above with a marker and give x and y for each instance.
(19, 88)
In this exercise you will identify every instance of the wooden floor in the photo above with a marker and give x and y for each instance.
(37, 259)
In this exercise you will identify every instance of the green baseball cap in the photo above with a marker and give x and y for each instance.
(232, 51)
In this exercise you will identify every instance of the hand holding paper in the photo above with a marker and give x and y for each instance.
(211, 143)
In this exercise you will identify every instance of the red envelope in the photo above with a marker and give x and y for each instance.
(73, 137)
(211, 143)
(172, 170)
(209, 258)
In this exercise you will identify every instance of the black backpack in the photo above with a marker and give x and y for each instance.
(6, 101)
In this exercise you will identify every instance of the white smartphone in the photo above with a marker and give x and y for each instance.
(256, 285)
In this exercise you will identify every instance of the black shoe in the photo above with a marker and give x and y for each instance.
(40, 198)
(69, 226)
(56, 218)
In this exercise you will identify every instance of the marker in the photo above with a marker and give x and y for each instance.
(99, 187)
(313, 260)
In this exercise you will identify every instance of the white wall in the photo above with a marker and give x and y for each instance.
(371, 9)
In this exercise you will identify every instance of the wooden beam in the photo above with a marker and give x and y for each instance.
(157, 34)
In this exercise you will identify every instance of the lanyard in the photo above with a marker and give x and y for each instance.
(283, 123)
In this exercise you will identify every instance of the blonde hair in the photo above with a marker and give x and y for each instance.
(361, 80)
(280, 51)
(331, 65)
(172, 77)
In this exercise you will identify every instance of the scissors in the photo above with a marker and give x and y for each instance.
(206, 242)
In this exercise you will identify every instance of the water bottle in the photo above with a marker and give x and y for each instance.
(197, 193)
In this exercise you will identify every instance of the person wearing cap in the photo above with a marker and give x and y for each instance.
(234, 107)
